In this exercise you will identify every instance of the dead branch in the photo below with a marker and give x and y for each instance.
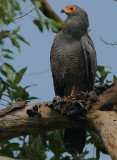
(100, 118)
(25, 14)
(108, 43)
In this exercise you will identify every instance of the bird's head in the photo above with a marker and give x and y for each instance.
(73, 10)
(77, 22)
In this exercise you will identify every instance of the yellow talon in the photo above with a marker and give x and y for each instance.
(66, 97)
(72, 93)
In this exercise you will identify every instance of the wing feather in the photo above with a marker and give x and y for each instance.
(90, 58)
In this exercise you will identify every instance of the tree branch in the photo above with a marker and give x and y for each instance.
(17, 123)
(100, 118)
(47, 10)
(105, 122)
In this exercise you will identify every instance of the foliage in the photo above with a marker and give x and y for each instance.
(104, 74)
(10, 79)
(42, 22)
(34, 146)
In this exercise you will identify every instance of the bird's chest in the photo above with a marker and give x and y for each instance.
(68, 55)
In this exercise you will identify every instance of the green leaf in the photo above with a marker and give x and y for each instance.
(1, 88)
(10, 72)
(39, 24)
(37, 3)
(11, 94)
(91, 159)
(19, 75)
(102, 74)
(56, 137)
(5, 84)
(65, 158)
(97, 153)
(100, 68)
(14, 41)
(16, 5)
(32, 98)
(8, 57)
(56, 26)
(47, 24)
(22, 39)
(114, 78)
(96, 140)
(30, 86)
(9, 67)
(4, 72)
(18, 92)
(16, 30)
(4, 34)
(7, 50)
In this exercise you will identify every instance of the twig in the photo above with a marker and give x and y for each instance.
(112, 44)
(3, 104)
(36, 73)
(5, 100)
(24, 14)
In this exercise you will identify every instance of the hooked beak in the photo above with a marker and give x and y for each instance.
(62, 11)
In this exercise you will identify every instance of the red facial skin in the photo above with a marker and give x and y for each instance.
(69, 9)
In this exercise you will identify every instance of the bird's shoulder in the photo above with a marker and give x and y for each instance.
(66, 43)
(87, 44)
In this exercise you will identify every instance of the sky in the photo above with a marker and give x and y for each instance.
(103, 23)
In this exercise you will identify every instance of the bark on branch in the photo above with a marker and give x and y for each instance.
(48, 11)
(100, 118)
(105, 122)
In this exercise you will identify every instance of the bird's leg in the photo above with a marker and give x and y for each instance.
(68, 97)
(72, 92)
(71, 95)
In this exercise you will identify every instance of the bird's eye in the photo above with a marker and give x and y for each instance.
(71, 8)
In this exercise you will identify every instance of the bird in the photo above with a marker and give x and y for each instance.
(73, 65)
